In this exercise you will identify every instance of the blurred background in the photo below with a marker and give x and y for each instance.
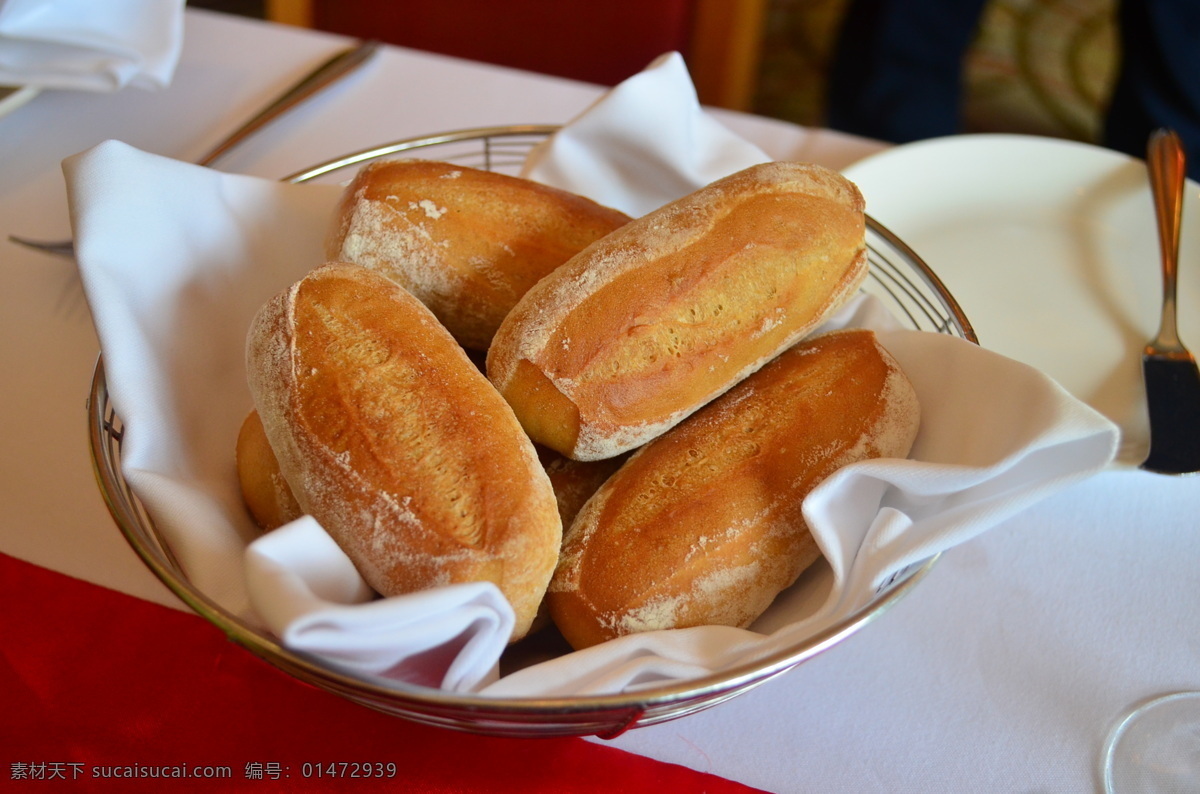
(1034, 66)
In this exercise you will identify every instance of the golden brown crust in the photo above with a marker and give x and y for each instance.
(664, 314)
(703, 525)
(467, 242)
(395, 442)
(268, 497)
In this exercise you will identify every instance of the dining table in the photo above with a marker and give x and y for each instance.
(1004, 670)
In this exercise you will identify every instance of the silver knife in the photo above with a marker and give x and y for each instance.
(1168, 368)
(326, 74)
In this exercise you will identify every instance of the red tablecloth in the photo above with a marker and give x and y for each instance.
(97, 684)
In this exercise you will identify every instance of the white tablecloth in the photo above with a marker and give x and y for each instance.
(1003, 671)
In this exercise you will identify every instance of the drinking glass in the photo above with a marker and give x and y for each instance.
(1155, 747)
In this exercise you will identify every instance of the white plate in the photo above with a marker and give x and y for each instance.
(1050, 247)
(12, 98)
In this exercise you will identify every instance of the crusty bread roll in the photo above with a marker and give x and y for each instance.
(468, 243)
(703, 526)
(396, 443)
(268, 498)
(664, 314)
(271, 504)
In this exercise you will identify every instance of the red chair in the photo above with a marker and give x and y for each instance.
(598, 42)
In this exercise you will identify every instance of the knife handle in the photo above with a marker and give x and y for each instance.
(1168, 168)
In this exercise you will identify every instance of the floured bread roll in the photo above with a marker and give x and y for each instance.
(270, 502)
(268, 498)
(703, 526)
(468, 243)
(662, 315)
(396, 443)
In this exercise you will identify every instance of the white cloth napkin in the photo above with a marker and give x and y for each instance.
(667, 145)
(175, 260)
(173, 277)
(302, 584)
(90, 45)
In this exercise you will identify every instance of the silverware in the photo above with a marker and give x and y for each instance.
(1172, 378)
(325, 75)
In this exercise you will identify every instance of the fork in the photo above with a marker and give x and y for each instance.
(320, 78)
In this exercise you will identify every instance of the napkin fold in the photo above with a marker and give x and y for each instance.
(449, 637)
(172, 301)
(90, 46)
(175, 260)
(644, 143)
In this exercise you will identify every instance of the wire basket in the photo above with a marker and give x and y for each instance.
(897, 276)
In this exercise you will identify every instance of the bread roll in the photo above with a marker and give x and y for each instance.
(703, 526)
(468, 243)
(396, 443)
(271, 504)
(268, 498)
(657, 318)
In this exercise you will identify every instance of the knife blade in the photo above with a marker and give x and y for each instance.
(326, 74)
(1169, 370)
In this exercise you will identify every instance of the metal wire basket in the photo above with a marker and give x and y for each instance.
(897, 276)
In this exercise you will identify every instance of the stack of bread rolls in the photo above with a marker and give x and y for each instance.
(650, 416)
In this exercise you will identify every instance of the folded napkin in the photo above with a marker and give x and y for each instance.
(174, 276)
(448, 637)
(668, 145)
(88, 45)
